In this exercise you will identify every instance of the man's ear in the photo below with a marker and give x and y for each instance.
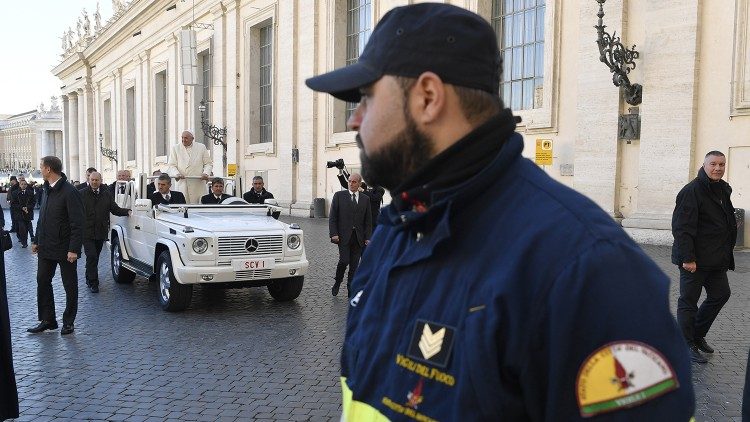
(427, 99)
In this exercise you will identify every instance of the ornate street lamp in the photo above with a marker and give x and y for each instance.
(619, 59)
(217, 134)
(107, 152)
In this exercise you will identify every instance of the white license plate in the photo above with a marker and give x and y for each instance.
(253, 264)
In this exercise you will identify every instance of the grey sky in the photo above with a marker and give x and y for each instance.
(30, 31)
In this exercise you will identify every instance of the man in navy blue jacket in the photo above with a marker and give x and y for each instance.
(521, 302)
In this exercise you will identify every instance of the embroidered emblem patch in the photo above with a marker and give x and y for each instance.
(414, 397)
(431, 342)
(621, 375)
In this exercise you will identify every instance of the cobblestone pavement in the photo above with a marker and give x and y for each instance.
(236, 355)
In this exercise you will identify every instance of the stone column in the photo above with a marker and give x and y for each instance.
(43, 143)
(90, 139)
(72, 141)
(64, 150)
(284, 75)
(217, 110)
(82, 150)
(58, 143)
(668, 116)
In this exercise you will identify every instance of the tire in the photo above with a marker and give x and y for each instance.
(173, 296)
(121, 274)
(286, 289)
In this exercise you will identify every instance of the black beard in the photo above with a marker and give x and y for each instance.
(398, 159)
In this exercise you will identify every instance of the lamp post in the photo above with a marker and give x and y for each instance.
(217, 134)
(107, 152)
(619, 59)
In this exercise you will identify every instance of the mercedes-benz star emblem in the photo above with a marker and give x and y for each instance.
(251, 245)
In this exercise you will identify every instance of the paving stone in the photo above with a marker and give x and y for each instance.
(239, 355)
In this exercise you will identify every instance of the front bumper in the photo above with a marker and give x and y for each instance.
(226, 274)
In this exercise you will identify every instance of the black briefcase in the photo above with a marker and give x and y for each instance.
(6, 240)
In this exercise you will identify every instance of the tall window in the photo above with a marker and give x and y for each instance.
(266, 93)
(161, 98)
(205, 69)
(519, 25)
(107, 122)
(130, 121)
(358, 28)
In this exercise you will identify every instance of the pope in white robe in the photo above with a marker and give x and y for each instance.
(189, 158)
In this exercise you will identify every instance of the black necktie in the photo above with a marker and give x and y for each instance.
(354, 199)
(96, 192)
(167, 197)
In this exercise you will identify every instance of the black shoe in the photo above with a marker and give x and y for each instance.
(335, 289)
(94, 289)
(44, 325)
(703, 346)
(66, 329)
(696, 356)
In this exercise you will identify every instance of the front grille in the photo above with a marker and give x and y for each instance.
(234, 246)
(252, 275)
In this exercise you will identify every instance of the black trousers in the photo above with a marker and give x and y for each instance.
(92, 249)
(45, 296)
(13, 219)
(349, 255)
(25, 230)
(695, 322)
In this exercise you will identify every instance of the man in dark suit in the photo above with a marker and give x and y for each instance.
(23, 200)
(350, 227)
(58, 239)
(122, 176)
(217, 192)
(164, 195)
(97, 205)
(87, 183)
(258, 194)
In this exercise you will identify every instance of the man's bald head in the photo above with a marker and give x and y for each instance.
(123, 175)
(187, 138)
(355, 181)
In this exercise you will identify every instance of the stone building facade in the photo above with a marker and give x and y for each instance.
(26, 137)
(124, 81)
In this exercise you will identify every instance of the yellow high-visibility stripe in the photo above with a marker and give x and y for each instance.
(358, 411)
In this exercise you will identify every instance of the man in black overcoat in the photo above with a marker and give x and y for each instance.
(59, 234)
(8, 389)
(705, 231)
(97, 205)
(24, 199)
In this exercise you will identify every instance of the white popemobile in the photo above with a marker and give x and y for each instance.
(232, 244)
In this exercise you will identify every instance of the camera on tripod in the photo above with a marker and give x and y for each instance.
(339, 164)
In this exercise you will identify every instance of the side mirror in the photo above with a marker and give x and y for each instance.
(271, 201)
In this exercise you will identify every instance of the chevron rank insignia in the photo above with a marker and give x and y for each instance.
(431, 343)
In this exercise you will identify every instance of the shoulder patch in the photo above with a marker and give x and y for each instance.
(431, 342)
(622, 374)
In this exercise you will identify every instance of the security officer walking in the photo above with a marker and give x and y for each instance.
(97, 205)
(705, 231)
(521, 302)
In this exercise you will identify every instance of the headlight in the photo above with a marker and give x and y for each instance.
(293, 241)
(200, 245)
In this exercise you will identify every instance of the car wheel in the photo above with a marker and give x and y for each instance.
(121, 274)
(285, 289)
(173, 296)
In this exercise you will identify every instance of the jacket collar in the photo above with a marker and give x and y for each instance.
(58, 185)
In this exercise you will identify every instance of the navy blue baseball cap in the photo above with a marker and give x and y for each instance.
(454, 43)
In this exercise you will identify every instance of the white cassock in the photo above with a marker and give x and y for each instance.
(191, 161)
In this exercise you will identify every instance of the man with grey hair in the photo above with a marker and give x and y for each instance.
(258, 194)
(189, 159)
(705, 231)
(350, 227)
